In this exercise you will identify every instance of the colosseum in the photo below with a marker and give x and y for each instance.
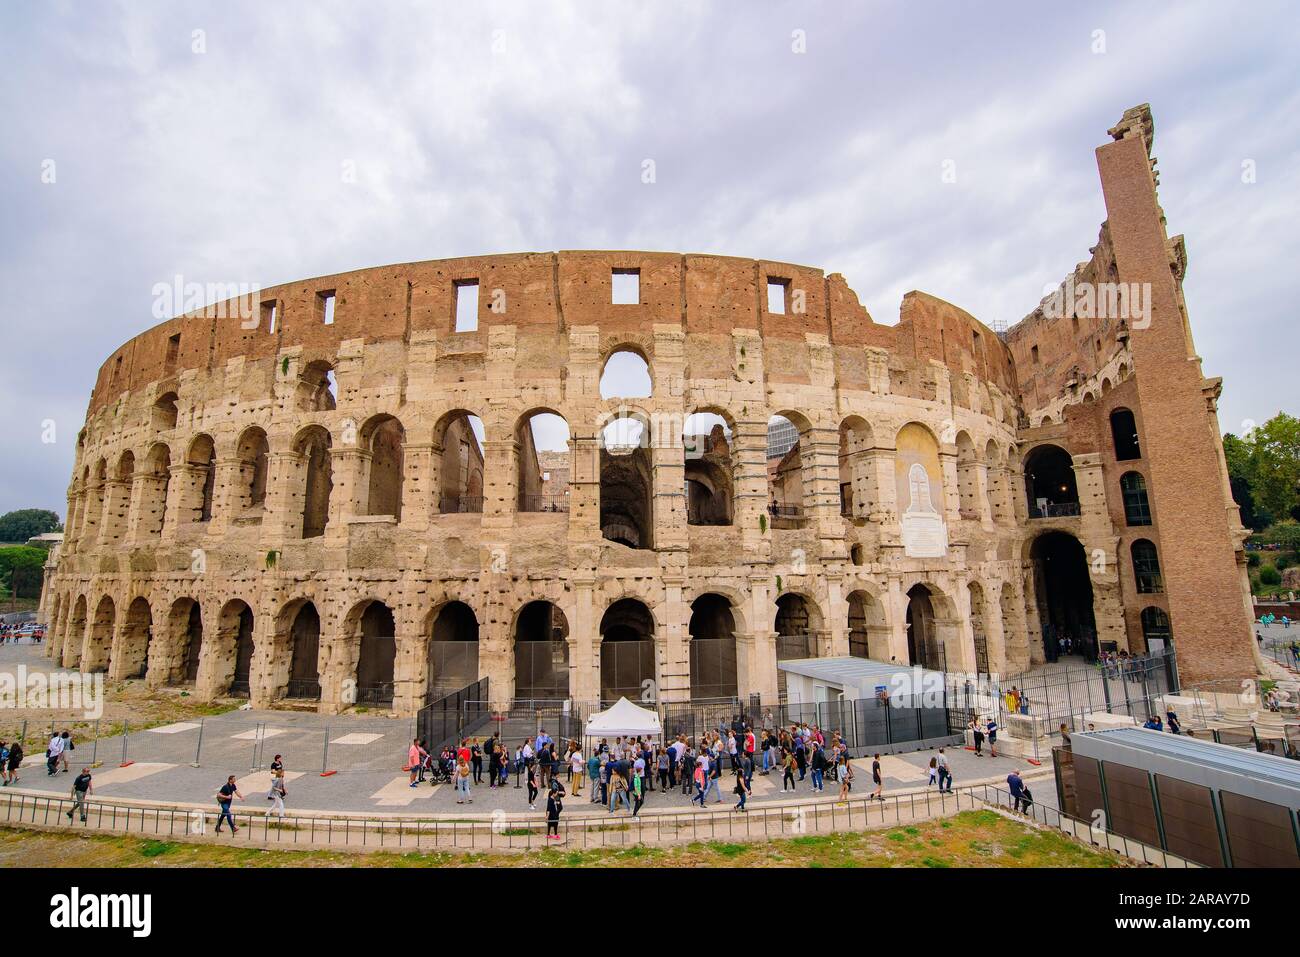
(587, 474)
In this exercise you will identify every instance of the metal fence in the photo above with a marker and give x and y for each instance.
(1130, 686)
(454, 716)
(407, 834)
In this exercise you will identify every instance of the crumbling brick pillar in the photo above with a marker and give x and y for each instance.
(410, 668)
(672, 643)
(265, 685)
(418, 489)
(584, 645)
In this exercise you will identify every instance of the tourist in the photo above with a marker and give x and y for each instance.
(577, 766)
(819, 768)
(800, 756)
(714, 785)
(52, 753)
(945, 775)
(554, 805)
(476, 762)
(12, 762)
(617, 791)
(701, 777)
(494, 761)
(1171, 718)
(1065, 737)
(741, 789)
(66, 736)
(1016, 786)
(415, 756)
(787, 765)
(845, 772)
(978, 736)
(687, 768)
(594, 776)
(531, 774)
(277, 793)
(992, 729)
(638, 791)
(664, 764)
(934, 771)
(876, 779)
(81, 788)
(225, 797)
(462, 781)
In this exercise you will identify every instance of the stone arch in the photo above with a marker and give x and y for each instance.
(201, 478)
(297, 650)
(154, 483)
(712, 647)
(228, 659)
(710, 472)
(164, 414)
(76, 634)
(925, 647)
(626, 480)
(313, 480)
(137, 633)
(458, 453)
(370, 630)
(540, 633)
(627, 652)
(1050, 485)
(789, 484)
(859, 492)
(383, 439)
(867, 625)
(317, 389)
(185, 642)
(625, 373)
(98, 652)
(453, 649)
(1157, 633)
(799, 634)
(542, 460)
(1064, 594)
(252, 452)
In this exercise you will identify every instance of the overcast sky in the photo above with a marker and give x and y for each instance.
(222, 156)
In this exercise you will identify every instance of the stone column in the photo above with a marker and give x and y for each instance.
(419, 494)
(264, 681)
(584, 645)
(226, 500)
(749, 455)
(349, 468)
(410, 667)
(672, 644)
(994, 636)
(833, 641)
(286, 478)
(884, 509)
(898, 623)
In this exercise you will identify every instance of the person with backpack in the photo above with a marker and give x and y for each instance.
(13, 762)
(225, 797)
(277, 793)
(617, 791)
(787, 779)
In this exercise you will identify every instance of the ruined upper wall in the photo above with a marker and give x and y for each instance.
(540, 293)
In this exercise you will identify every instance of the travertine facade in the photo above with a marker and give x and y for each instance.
(263, 497)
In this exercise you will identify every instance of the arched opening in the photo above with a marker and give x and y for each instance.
(453, 650)
(710, 473)
(1137, 508)
(1146, 568)
(164, 415)
(626, 375)
(461, 468)
(304, 658)
(785, 478)
(1124, 434)
(858, 489)
(201, 479)
(317, 389)
(967, 480)
(235, 641)
(979, 630)
(712, 649)
(868, 636)
(541, 653)
(1050, 484)
(996, 483)
(376, 633)
(542, 455)
(626, 512)
(136, 635)
(185, 628)
(1064, 595)
(919, 491)
(627, 653)
(99, 643)
(1156, 630)
(924, 646)
(153, 491)
(76, 634)
(796, 632)
(95, 501)
(253, 453)
(315, 471)
(117, 500)
(383, 437)
(858, 554)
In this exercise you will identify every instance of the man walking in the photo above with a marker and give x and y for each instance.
(80, 789)
(1016, 785)
(945, 776)
(229, 791)
(877, 779)
(53, 753)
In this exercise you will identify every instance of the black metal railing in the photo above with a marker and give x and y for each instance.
(454, 716)
(460, 504)
(376, 695)
(1056, 510)
(543, 503)
(303, 688)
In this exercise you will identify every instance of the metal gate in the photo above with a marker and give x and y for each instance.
(627, 670)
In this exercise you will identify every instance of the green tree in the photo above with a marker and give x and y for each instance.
(21, 570)
(27, 523)
(1275, 455)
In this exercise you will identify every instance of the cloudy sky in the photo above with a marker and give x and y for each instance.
(213, 141)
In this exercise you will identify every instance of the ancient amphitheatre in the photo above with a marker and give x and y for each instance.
(333, 490)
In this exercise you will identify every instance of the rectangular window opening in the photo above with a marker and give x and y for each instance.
(1034, 354)
(626, 285)
(467, 305)
(173, 351)
(325, 305)
(269, 315)
(777, 295)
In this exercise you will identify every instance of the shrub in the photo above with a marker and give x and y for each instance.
(1268, 575)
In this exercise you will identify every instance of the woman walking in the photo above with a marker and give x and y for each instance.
(554, 805)
(846, 778)
(978, 736)
(788, 764)
(532, 787)
(277, 792)
(577, 767)
(741, 789)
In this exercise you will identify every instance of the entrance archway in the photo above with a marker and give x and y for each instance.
(1064, 593)
(627, 653)
(185, 627)
(453, 650)
(796, 627)
(235, 636)
(99, 642)
(304, 660)
(376, 633)
(541, 653)
(712, 648)
(135, 639)
(924, 646)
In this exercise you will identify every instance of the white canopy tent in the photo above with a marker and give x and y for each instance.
(623, 720)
